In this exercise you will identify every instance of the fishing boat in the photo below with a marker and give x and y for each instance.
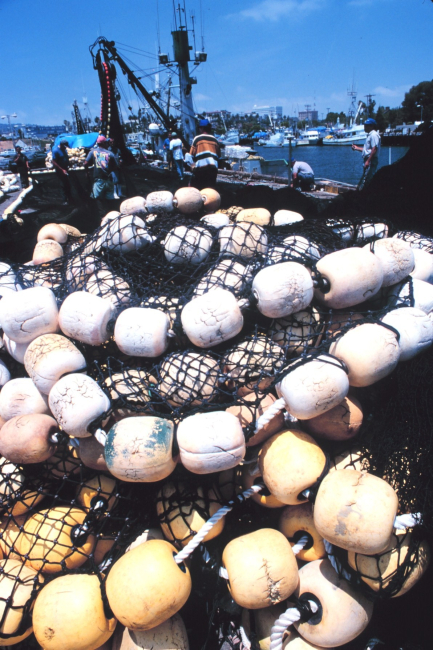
(354, 134)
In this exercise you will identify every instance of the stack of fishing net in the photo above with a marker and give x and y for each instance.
(185, 358)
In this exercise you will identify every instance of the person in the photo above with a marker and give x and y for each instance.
(104, 164)
(116, 174)
(61, 165)
(176, 149)
(205, 151)
(302, 175)
(21, 164)
(370, 152)
(168, 154)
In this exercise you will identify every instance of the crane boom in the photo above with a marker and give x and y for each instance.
(108, 51)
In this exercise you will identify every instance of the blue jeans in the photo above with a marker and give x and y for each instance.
(179, 168)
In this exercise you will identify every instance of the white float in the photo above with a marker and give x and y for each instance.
(76, 401)
(282, 289)
(29, 313)
(396, 257)
(85, 317)
(314, 387)
(184, 245)
(49, 357)
(415, 328)
(21, 397)
(212, 318)
(348, 277)
(141, 332)
(210, 442)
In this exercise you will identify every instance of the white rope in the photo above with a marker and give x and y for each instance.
(290, 616)
(278, 406)
(101, 436)
(334, 561)
(223, 573)
(207, 527)
(300, 545)
(245, 640)
(407, 521)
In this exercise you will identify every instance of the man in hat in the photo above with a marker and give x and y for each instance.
(176, 149)
(60, 162)
(370, 152)
(104, 163)
(21, 164)
(302, 175)
(205, 151)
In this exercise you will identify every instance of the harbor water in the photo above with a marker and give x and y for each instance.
(337, 163)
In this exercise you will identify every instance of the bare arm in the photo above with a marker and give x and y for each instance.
(370, 157)
(57, 166)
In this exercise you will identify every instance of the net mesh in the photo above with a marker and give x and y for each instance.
(65, 515)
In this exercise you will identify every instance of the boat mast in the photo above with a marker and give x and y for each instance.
(181, 50)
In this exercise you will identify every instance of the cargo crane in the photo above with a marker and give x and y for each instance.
(79, 123)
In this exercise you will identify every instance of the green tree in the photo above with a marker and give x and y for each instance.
(419, 96)
(380, 119)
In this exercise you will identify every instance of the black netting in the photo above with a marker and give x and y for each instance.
(69, 514)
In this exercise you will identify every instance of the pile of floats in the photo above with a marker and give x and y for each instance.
(287, 406)
(77, 156)
(8, 183)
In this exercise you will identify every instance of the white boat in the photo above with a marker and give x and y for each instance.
(230, 137)
(351, 135)
(274, 140)
(309, 137)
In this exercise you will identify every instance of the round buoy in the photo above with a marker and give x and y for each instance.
(183, 510)
(143, 604)
(212, 318)
(340, 423)
(50, 541)
(86, 317)
(210, 442)
(314, 387)
(355, 511)
(348, 277)
(29, 313)
(69, 613)
(49, 357)
(188, 200)
(211, 200)
(76, 401)
(139, 449)
(370, 352)
(261, 567)
(290, 462)
(297, 521)
(282, 289)
(343, 613)
(28, 438)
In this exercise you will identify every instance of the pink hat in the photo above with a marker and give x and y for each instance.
(101, 138)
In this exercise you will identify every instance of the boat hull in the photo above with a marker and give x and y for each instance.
(345, 141)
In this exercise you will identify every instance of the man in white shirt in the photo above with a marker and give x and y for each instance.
(370, 152)
(176, 148)
(302, 175)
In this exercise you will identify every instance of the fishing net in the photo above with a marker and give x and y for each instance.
(66, 516)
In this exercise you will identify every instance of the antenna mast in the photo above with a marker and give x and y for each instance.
(181, 52)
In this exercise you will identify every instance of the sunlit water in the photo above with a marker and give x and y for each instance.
(337, 163)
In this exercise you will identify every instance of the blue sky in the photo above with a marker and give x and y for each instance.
(265, 52)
